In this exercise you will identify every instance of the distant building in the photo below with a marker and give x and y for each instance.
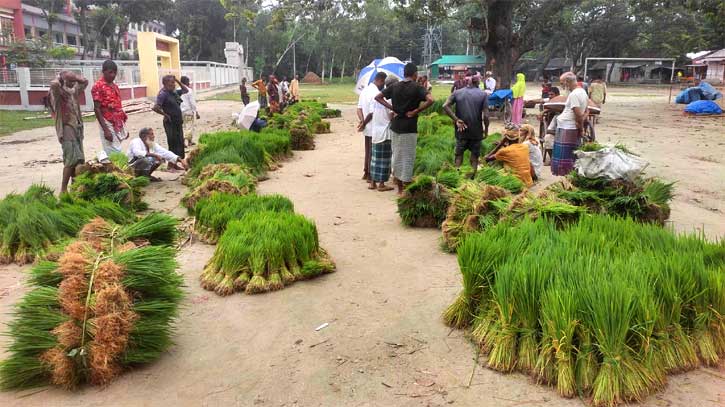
(709, 66)
(448, 66)
(11, 25)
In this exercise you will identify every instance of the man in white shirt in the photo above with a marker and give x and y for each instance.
(569, 125)
(363, 110)
(145, 155)
(490, 83)
(382, 153)
(189, 112)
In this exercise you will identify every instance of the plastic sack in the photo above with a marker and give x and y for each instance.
(689, 95)
(609, 162)
(703, 107)
(709, 92)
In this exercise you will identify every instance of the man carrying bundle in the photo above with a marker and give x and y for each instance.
(408, 100)
(470, 119)
(145, 155)
(63, 95)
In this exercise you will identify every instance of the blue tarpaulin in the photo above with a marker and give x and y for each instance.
(704, 91)
(700, 107)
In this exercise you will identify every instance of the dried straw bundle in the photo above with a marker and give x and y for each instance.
(602, 308)
(103, 307)
(265, 251)
(473, 207)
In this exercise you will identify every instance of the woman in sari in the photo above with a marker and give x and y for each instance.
(518, 90)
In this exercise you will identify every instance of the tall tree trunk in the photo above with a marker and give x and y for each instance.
(323, 69)
(332, 65)
(499, 45)
(307, 66)
(550, 49)
(84, 31)
(342, 71)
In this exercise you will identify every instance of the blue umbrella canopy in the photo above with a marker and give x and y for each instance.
(389, 65)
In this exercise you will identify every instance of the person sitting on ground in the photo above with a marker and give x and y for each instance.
(145, 155)
(513, 155)
(109, 109)
(470, 120)
(190, 112)
(527, 135)
(66, 112)
(244, 92)
(168, 104)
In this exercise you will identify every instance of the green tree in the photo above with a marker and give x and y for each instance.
(49, 9)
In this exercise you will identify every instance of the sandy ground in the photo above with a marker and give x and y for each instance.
(385, 343)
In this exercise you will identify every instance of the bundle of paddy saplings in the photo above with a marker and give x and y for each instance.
(265, 251)
(644, 199)
(303, 120)
(213, 213)
(107, 305)
(424, 203)
(117, 186)
(34, 223)
(254, 151)
(603, 308)
(228, 178)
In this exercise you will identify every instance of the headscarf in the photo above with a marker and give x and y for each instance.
(528, 133)
(519, 87)
(511, 132)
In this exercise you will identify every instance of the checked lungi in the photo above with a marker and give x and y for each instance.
(403, 145)
(562, 160)
(382, 154)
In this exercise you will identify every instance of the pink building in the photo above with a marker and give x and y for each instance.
(11, 25)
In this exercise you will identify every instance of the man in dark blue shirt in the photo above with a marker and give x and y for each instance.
(471, 120)
(168, 104)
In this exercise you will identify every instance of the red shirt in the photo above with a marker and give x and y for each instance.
(108, 96)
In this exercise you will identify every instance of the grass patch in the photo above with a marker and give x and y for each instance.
(327, 93)
(12, 121)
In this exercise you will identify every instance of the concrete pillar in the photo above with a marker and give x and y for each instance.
(87, 73)
(24, 83)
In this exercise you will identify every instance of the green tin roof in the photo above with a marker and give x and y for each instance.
(460, 60)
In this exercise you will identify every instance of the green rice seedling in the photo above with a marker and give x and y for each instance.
(119, 160)
(255, 252)
(233, 147)
(120, 188)
(237, 181)
(492, 176)
(215, 212)
(593, 146)
(557, 357)
(92, 315)
(424, 203)
(449, 177)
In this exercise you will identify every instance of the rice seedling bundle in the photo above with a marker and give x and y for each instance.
(265, 251)
(646, 200)
(473, 207)
(301, 137)
(275, 142)
(216, 211)
(107, 305)
(33, 224)
(424, 203)
(231, 147)
(602, 307)
(501, 178)
(125, 190)
(227, 178)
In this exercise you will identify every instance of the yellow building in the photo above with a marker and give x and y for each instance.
(158, 56)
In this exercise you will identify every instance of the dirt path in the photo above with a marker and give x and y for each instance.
(385, 343)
